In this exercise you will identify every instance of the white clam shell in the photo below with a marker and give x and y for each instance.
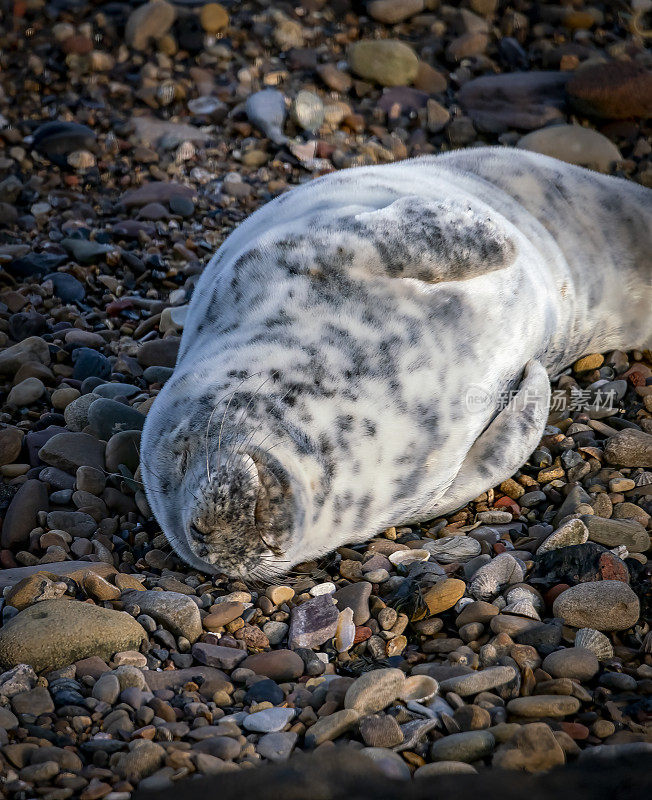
(453, 548)
(345, 631)
(526, 594)
(419, 688)
(323, 588)
(307, 110)
(494, 576)
(596, 642)
(408, 556)
(522, 608)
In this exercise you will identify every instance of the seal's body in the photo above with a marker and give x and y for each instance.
(321, 390)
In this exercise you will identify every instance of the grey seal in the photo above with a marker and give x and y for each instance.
(331, 344)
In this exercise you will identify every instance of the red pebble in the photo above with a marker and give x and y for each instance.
(552, 594)
(575, 730)
(362, 633)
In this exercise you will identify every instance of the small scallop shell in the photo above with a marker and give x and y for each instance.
(453, 548)
(495, 576)
(596, 642)
(530, 596)
(408, 556)
(522, 608)
(419, 688)
(345, 631)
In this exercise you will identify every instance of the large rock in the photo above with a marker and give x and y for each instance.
(603, 605)
(55, 633)
(573, 144)
(392, 11)
(312, 623)
(384, 61)
(374, 691)
(523, 100)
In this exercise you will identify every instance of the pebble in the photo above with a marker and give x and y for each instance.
(276, 747)
(469, 746)
(572, 662)
(479, 681)
(532, 748)
(386, 61)
(330, 727)
(279, 665)
(444, 595)
(542, 705)
(629, 448)
(177, 612)
(573, 144)
(270, 720)
(374, 691)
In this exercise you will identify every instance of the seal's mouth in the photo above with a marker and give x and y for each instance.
(241, 520)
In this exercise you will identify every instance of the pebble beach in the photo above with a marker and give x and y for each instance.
(513, 634)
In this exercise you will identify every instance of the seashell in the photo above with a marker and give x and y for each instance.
(620, 551)
(572, 532)
(165, 93)
(408, 556)
(345, 631)
(525, 593)
(596, 642)
(419, 688)
(490, 579)
(204, 106)
(323, 588)
(266, 110)
(522, 608)
(453, 548)
(307, 110)
(643, 479)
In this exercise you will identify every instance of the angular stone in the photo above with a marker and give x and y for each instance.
(214, 655)
(313, 622)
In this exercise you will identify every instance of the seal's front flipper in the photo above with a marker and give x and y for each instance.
(505, 445)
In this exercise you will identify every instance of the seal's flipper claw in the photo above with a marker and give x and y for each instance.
(506, 444)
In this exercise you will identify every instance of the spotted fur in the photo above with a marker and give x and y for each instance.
(319, 391)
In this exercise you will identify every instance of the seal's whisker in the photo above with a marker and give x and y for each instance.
(210, 419)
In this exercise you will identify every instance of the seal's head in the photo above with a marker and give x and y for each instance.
(243, 514)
